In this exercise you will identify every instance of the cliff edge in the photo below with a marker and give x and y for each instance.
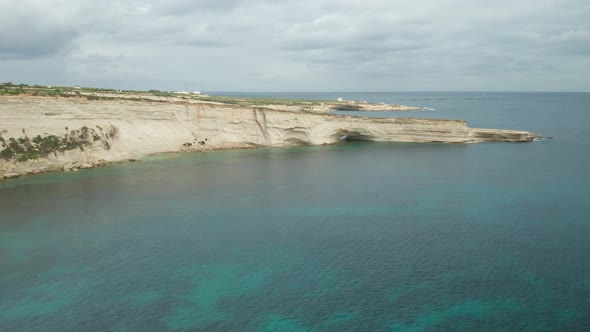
(42, 134)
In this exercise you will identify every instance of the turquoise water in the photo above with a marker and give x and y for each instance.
(353, 237)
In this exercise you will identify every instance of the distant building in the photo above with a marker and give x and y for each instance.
(340, 99)
(196, 92)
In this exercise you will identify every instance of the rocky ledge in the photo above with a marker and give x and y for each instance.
(364, 106)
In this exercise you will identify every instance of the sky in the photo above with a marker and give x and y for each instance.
(298, 45)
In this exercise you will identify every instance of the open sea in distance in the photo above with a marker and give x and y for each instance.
(350, 237)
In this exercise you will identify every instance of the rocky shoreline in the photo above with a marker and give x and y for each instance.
(44, 134)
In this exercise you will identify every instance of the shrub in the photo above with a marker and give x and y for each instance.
(23, 148)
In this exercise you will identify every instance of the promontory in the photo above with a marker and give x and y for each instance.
(46, 129)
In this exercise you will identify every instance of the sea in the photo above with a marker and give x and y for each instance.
(357, 236)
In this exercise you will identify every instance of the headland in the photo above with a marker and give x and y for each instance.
(44, 129)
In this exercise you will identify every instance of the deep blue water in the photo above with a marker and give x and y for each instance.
(352, 237)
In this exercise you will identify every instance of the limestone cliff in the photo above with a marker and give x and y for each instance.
(144, 127)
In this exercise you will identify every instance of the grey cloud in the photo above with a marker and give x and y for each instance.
(290, 44)
(26, 33)
(186, 7)
(98, 58)
(203, 43)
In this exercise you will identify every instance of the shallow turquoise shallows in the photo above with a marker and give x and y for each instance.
(352, 237)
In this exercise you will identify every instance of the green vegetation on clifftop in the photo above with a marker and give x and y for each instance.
(145, 96)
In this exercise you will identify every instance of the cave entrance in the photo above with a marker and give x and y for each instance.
(352, 136)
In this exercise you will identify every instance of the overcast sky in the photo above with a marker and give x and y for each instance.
(290, 45)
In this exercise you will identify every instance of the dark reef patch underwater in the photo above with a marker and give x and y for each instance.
(352, 237)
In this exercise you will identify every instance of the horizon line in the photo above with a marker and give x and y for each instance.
(302, 91)
(389, 91)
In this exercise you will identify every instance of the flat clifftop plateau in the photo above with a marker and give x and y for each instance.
(40, 134)
(365, 106)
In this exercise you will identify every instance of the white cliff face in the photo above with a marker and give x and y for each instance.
(154, 127)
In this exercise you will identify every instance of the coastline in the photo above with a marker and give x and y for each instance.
(59, 133)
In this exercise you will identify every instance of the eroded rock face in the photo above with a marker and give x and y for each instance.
(146, 128)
